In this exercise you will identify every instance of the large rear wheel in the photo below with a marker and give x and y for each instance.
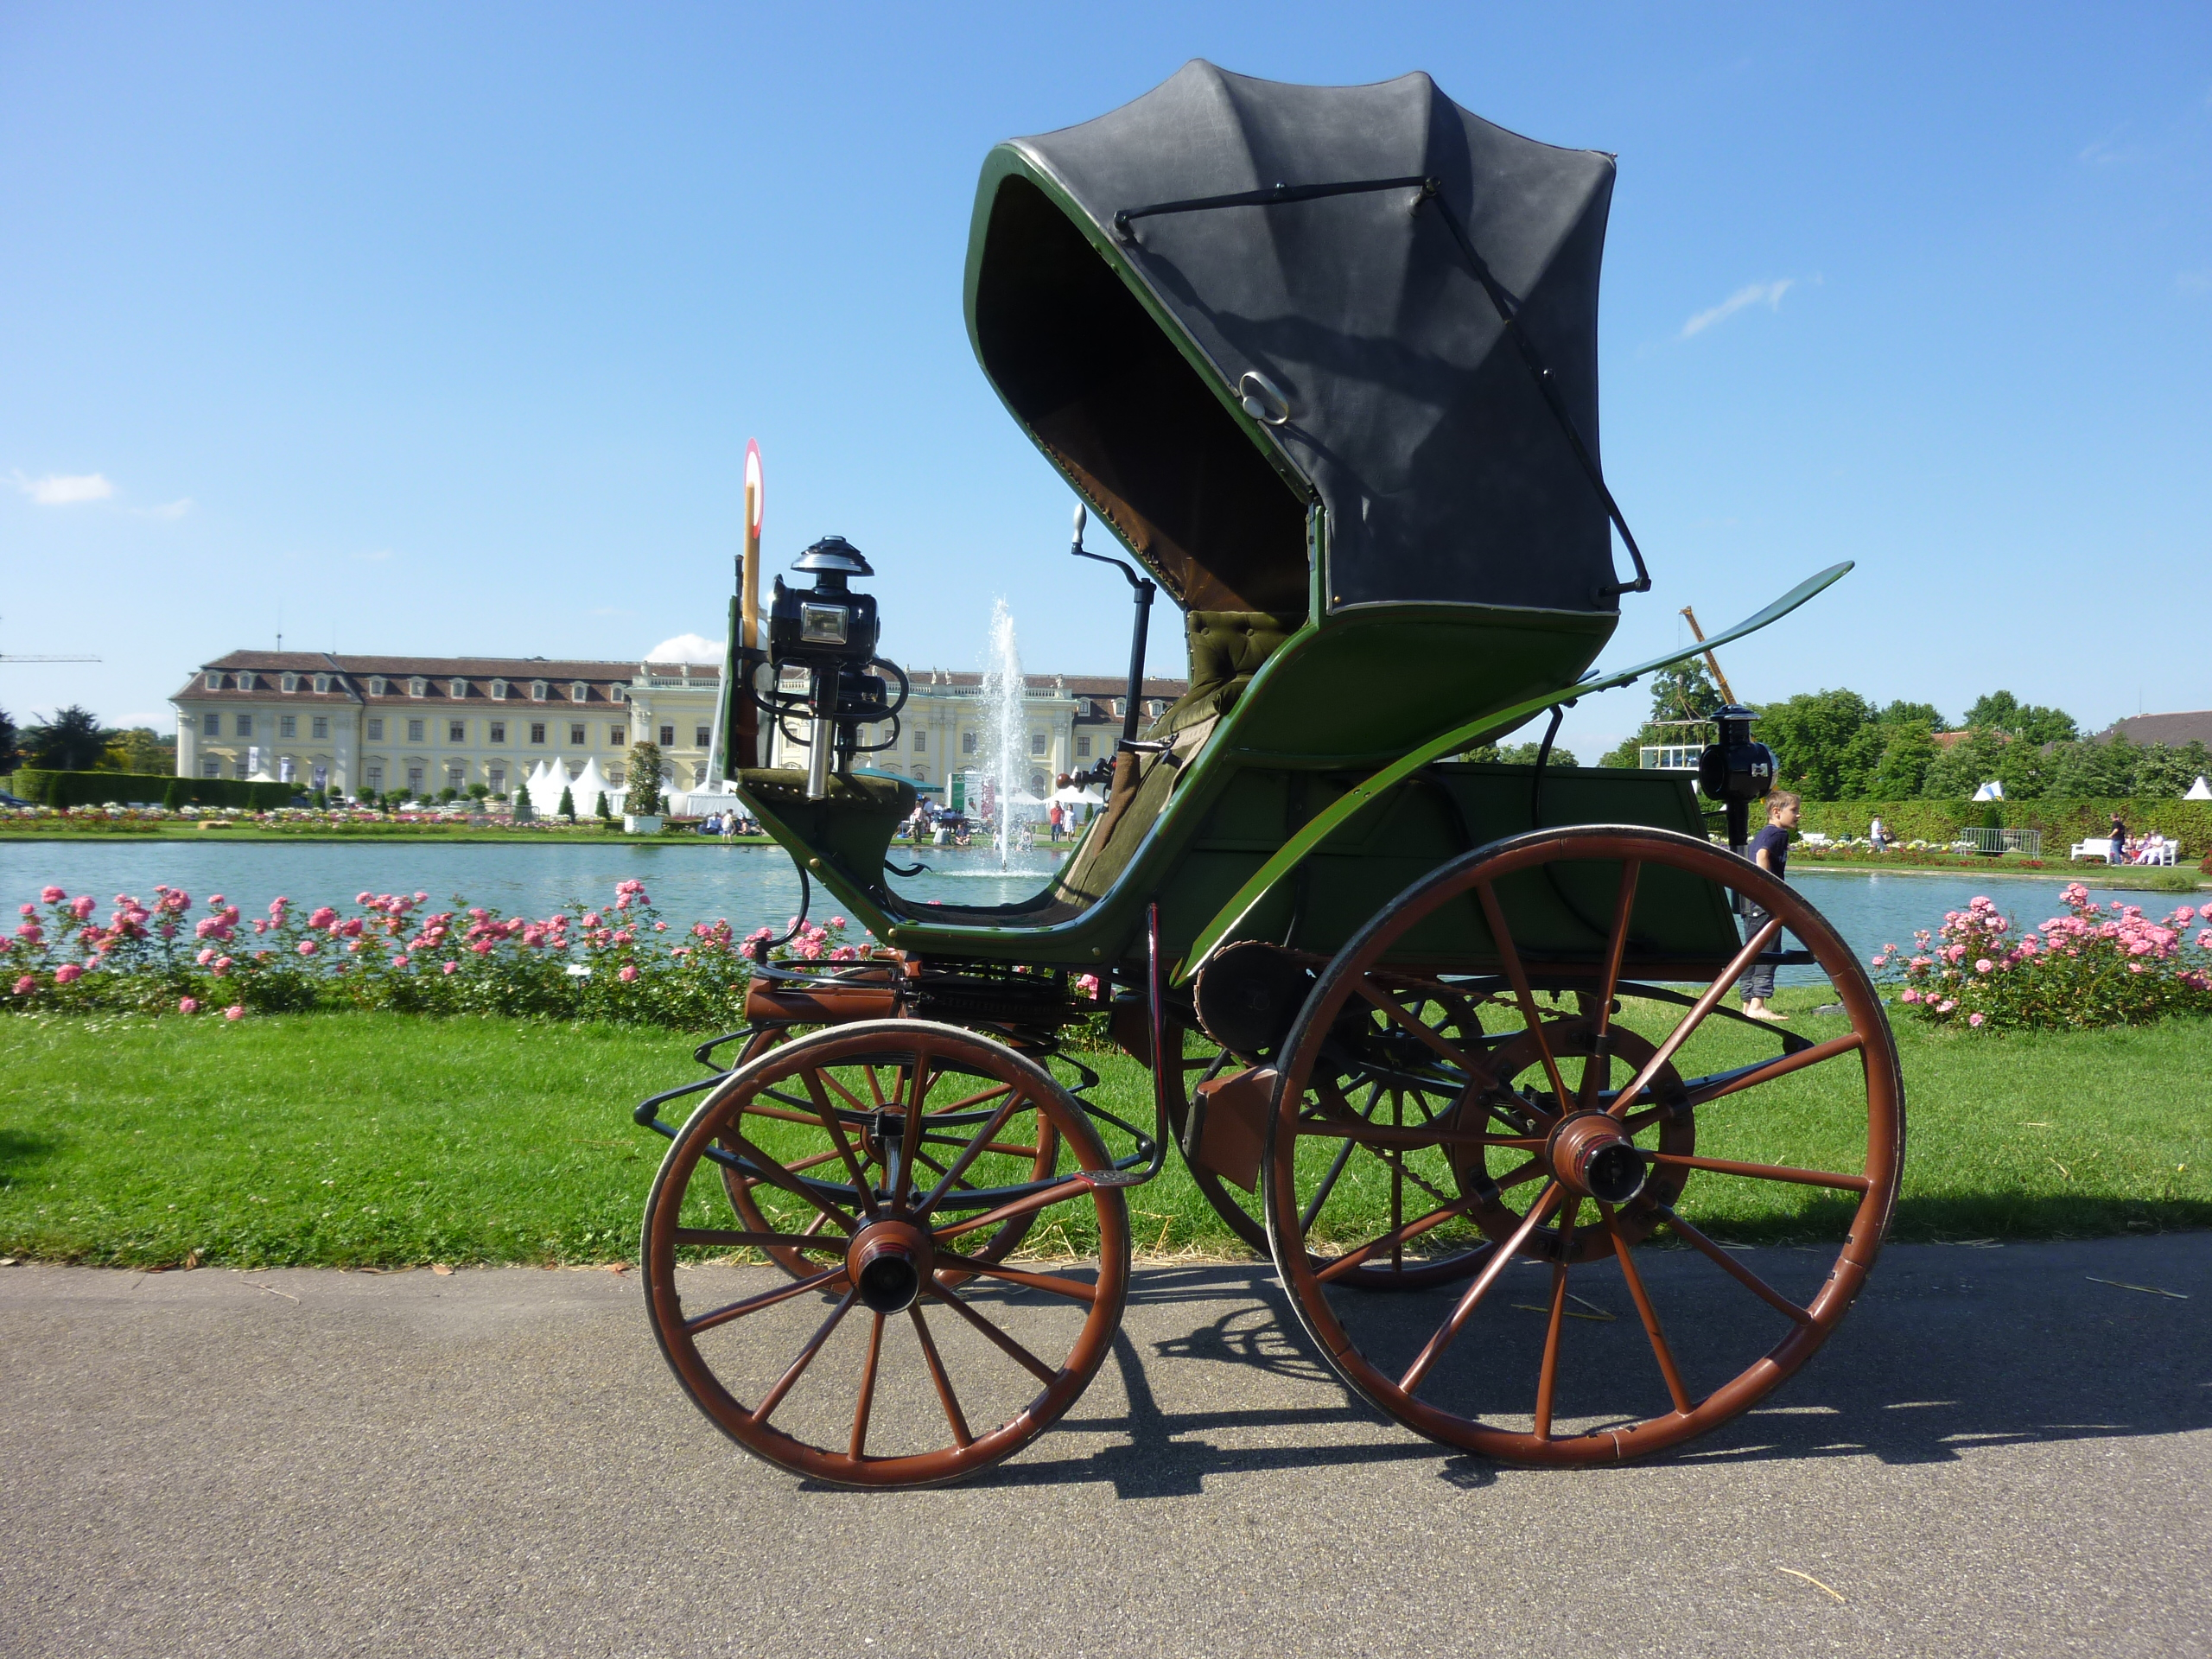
(1602, 1114)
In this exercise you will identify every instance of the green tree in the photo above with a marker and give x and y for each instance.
(598, 805)
(2093, 766)
(1907, 754)
(2162, 771)
(2000, 711)
(1521, 755)
(1911, 713)
(1825, 744)
(139, 749)
(73, 741)
(1965, 766)
(173, 793)
(568, 807)
(642, 799)
(9, 758)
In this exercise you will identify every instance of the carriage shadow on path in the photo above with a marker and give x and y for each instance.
(1950, 1349)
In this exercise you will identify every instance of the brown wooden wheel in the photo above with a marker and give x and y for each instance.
(1595, 1347)
(905, 1357)
(767, 1212)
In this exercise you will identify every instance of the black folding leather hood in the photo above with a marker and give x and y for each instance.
(1206, 377)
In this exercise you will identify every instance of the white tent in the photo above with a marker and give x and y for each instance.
(545, 787)
(1992, 791)
(591, 784)
(1068, 795)
(2199, 790)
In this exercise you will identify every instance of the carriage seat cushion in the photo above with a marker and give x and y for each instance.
(1227, 648)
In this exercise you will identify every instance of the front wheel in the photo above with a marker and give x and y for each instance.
(1632, 1110)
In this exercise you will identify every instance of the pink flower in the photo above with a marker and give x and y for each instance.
(26, 985)
(188, 1005)
(1974, 1018)
(1984, 965)
(837, 921)
(305, 947)
(82, 906)
(68, 974)
(1947, 1005)
(31, 932)
(362, 899)
(236, 1011)
(482, 947)
(628, 973)
(276, 907)
(52, 895)
(322, 918)
(451, 967)
(400, 960)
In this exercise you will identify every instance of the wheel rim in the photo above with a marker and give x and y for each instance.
(1463, 1371)
(902, 1358)
(745, 1200)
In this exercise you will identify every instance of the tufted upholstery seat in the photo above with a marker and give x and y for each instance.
(1227, 648)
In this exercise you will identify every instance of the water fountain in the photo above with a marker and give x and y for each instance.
(1006, 728)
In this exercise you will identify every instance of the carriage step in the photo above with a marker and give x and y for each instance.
(1098, 1178)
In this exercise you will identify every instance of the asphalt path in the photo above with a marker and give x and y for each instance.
(1997, 1454)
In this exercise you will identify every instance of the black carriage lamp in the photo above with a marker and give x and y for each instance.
(1736, 770)
(830, 632)
(1142, 589)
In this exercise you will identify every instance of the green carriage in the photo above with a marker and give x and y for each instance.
(1324, 359)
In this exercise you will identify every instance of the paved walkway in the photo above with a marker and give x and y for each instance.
(1997, 1455)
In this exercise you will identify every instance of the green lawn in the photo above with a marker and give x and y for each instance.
(388, 1139)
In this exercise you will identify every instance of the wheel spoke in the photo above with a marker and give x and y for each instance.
(1510, 958)
(1690, 1021)
(969, 1153)
(1736, 1270)
(738, 1310)
(946, 1397)
(765, 1168)
(910, 1135)
(1397, 1238)
(1763, 1172)
(1699, 1091)
(1395, 1012)
(1413, 1137)
(864, 1188)
(1059, 1192)
(1597, 1070)
(866, 1401)
(1321, 1192)
(1548, 1370)
(1645, 1312)
(774, 1397)
(1006, 1345)
(1496, 1265)
(731, 1238)
(1074, 1289)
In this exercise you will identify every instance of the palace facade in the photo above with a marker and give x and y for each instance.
(420, 724)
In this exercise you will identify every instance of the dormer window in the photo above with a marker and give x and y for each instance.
(214, 680)
(498, 690)
(376, 685)
(246, 681)
(578, 691)
(417, 687)
(615, 694)
(291, 683)
(537, 691)
(457, 687)
(322, 684)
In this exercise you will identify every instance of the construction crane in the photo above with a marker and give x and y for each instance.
(6, 658)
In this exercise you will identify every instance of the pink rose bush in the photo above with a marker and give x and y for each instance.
(391, 952)
(2094, 966)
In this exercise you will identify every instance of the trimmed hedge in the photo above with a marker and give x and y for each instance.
(2062, 822)
(152, 788)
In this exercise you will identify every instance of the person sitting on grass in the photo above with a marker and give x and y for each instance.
(1769, 850)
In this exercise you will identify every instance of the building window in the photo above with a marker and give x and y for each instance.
(617, 736)
(414, 782)
(457, 731)
(456, 776)
(1037, 784)
(240, 770)
(246, 681)
(211, 768)
(291, 683)
(414, 731)
(376, 778)
(417, 686)
(376, 730)
(578, 691)
(702, 735)
(537, 691)
(615, 694)
(1037, 742)
(376, 685)
(500, 690)
(668, 737)
(538, 731)
(214, 680)
(921, 740)
(456, 688)
(497, 778)
(1082, 749)
(967, 742)
(921, 774)
(577, 739)
(245, 725)
(211, 725)
(322, 684)
(614, 774)
(499, 731)
(320, 726)
(288, 725)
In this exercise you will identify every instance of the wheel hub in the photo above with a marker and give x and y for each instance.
(1590, 1155)
(888, 1263)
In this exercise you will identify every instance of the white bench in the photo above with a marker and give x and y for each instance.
(2101, 846)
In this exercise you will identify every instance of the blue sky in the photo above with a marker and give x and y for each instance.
(442, 329)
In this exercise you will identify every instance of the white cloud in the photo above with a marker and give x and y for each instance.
(63, 489)
(1767, 294)
(175, 509)
(686, 648)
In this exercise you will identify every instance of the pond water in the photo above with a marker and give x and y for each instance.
(752, 885)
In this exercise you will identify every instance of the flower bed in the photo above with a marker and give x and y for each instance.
(2113, 966)
(618, 962)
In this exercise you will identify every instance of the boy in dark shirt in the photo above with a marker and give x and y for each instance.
(1769, 850)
